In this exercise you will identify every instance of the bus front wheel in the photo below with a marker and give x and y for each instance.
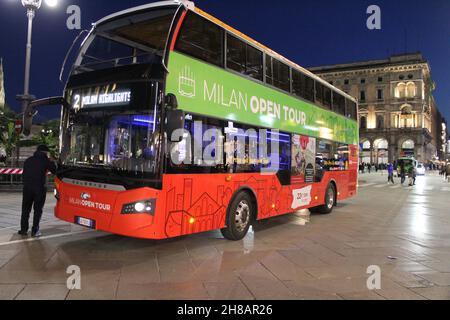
(239, 217)
(330, 201)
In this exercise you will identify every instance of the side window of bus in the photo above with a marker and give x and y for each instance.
(269, 73)
(241, 150)
(351, 110)
(277, 74)
(331, 156)
(198, 152)
(323, 95)
(327, 97)
(243, 58)
(201, 39)
(302, 85)
(338, 103)
(245, 152)
(281, 75)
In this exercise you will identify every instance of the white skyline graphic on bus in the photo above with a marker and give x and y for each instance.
(186, 83)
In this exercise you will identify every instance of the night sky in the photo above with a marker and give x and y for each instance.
(310, 33)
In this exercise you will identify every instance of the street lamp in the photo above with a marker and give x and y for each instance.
(31, 6)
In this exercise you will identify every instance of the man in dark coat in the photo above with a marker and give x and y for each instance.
(35, 173)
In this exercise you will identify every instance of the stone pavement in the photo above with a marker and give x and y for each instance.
(405, 231)
(11, 207)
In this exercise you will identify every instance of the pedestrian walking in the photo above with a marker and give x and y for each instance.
(402, 173)
(410, 176)
(390, 169)
(447, 172)
(35, 172)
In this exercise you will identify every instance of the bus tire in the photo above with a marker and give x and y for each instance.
(240, 215)
(330, 200)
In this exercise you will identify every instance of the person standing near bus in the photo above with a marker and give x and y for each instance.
(35, 172)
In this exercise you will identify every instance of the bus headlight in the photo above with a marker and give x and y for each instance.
(144, 206)
(56, 193)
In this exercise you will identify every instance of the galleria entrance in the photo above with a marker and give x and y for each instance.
(378, 153)
(381, 151)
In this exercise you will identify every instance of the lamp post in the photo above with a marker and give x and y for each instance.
(31, 6)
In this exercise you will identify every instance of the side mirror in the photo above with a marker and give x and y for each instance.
(31, 111)
(171, 101)
(175, 120)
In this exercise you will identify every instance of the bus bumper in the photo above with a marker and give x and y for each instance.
(110, 211)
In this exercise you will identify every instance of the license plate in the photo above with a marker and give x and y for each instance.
(88, 223)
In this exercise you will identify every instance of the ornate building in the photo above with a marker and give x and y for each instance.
(2, 86)
(398, 115)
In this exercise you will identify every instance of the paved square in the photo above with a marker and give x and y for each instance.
(405, 231)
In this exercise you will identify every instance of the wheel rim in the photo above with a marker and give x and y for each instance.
(242, 216)
(330, 198)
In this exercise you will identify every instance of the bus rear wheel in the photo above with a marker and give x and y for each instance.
(330, 201)
(240, 215)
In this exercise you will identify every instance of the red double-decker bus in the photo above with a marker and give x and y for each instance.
(143, 73)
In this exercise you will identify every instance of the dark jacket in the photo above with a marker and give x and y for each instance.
(35, 170)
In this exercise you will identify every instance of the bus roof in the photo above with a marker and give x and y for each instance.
(191, 6)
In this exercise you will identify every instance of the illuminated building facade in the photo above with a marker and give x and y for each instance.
(398, 115)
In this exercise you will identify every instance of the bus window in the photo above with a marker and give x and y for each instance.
(269, 73)
(136, 39)
(244, 59)
(201, 151)
(319, 93)
(236, 55)
(323, 95)
(254, 63)
(351, 110)
(331, 156)
(327, 97)
(201, 39)
(302, 85)
(281, 77)
(241, 151)
(338, 103)
(245, 152)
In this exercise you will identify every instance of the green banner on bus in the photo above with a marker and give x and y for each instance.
(211, 91)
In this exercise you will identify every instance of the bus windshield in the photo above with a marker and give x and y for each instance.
(125, 142)
(135, 39)
(113, 129)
